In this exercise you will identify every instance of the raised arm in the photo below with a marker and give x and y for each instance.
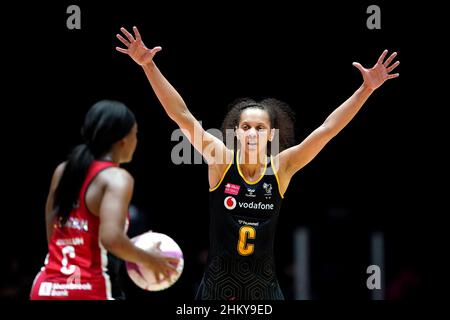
(296, 157)
(212, 149)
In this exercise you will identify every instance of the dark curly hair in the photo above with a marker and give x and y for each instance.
(280, 114)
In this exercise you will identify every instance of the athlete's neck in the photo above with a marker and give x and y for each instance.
(252, 164)
(109, 156)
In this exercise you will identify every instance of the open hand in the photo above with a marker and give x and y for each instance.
(136, 48)
(380, 72)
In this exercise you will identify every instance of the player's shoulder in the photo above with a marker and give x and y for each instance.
(60, 168)
(116, 177)
(57, 174)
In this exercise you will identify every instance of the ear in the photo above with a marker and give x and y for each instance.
(272, 134)
(122, 141)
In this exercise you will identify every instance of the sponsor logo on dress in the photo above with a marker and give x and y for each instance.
(232, 189)
(51, 289)
(230, 203)
(244, 222)
(256, 205)
(250, 192)
(77, 224)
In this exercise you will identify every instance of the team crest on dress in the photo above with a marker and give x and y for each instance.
(268, 189)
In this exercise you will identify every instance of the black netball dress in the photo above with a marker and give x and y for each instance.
(243, 219)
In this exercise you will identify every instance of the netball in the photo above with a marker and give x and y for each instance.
(145, 278)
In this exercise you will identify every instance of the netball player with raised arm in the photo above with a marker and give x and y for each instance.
(247, 182)
(87, 212)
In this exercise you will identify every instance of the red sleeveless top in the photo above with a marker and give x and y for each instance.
(76, 265)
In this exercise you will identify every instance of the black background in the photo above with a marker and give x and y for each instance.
(378, 174)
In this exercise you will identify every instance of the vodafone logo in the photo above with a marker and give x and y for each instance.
(229, 203)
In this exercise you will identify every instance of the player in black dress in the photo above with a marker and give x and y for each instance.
(249, 178)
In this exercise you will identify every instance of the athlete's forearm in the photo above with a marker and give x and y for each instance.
(121, 246)
(342, 115)
(168, 96)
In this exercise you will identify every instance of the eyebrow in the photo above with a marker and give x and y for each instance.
(259, 123)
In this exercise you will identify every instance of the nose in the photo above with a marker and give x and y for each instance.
(252, 133)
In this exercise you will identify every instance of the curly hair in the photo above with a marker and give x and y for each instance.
(280, 114)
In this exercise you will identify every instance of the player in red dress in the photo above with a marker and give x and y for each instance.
(87, 212)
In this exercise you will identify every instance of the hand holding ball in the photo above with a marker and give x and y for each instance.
(143, 276)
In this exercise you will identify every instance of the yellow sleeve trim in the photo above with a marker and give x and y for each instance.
(276, 177)
(223, 176)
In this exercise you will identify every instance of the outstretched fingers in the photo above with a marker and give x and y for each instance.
(122, 39)
(155, 50)
(392, 76)
(122, 50)
(389, 60)
(127, 34)
(358, 66)
(389, 70)
(137, 34)
(387, 64)
(381, 58)
(126, 42)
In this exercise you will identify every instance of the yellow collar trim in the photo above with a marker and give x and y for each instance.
(242, 175)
